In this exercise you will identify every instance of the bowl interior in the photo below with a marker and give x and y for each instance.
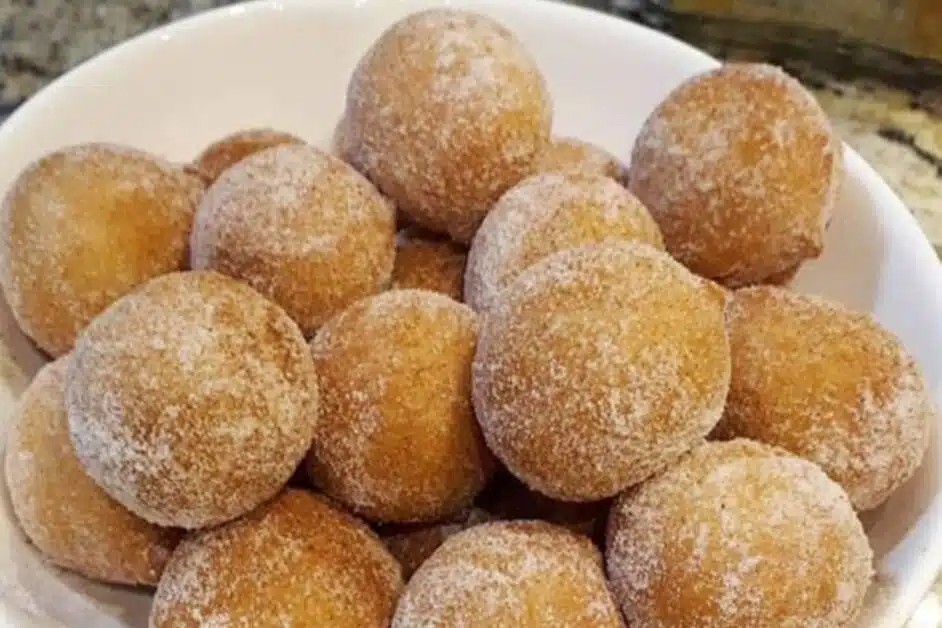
(285, 64)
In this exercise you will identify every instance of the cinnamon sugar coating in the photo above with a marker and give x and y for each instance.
(295, 561)
(191, 400)
(830, 385)
(397, 439)
(545, 214)
(738, 534)
(520, 574)
(84, 226)
(574, 155)
(68, 517)
(233, 148)
(444, 113)
(301, 227)
(599, 367)
(741, 169)
(428, 262)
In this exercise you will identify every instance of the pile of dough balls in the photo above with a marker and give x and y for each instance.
(457, 370)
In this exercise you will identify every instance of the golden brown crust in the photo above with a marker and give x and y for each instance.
(444, 113)
(571, 154)
(827, 384)
(192, 399)
(230, 150)
(738, 534)
(522, 574)
(397, 439)
(296, 561)
(62, 511)
(599, 367)
(741, 169)
(83, 226)
(544, 214)
(301, 227)
(427, 262)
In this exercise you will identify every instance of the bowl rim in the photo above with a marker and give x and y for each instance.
(924, 539)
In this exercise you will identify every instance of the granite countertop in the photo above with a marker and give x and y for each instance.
(899, 134)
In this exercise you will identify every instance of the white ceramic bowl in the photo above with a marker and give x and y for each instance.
(286, 63)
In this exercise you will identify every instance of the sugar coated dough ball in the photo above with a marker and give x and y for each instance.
(61, 510)
(230, 150)
(571, 154)
(741, 169)
(397, 439)
(301, 227)
(191, 400)
(830, 385)
(526, 574)
(427, 262)
(600, 366)
(296, 561)
(545, 214)
(737, 534)
(83, 226)
(444, 113)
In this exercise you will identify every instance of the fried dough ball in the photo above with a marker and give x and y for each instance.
(444, 113)
(522, 574)
(295, 561)
(741, 169)
(83, 226)
(599, 367)
(61, 510)
(545, 214)
(301, 227)
(427, 262)
(571, 154)
(738, 534)
(829, 385)
(191, 400)
(230, 150)
(412, 544)
(397, 439)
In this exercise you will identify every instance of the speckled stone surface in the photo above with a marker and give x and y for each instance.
(902, 142)
(40, 39)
